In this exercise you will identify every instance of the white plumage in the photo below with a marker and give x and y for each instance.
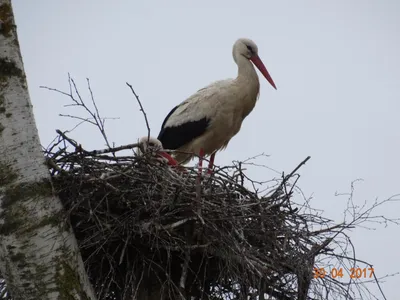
(149, 144)
(205, 122)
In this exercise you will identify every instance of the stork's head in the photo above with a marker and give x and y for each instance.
(154, 146)
(149, 144)
(248, 49)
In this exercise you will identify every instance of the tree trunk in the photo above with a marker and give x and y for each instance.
(39, 255)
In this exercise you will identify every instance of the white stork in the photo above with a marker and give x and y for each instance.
(205, 122)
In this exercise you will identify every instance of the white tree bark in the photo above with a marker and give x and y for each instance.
(39, 256)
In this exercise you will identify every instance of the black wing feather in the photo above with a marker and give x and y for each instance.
(176, 136)
(167, 117)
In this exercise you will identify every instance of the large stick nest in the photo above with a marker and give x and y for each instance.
(145, 228)
(137, 219)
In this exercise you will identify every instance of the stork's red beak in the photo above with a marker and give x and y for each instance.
(259, 64)
(171, 161)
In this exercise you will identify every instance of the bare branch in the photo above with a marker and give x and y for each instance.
(141, 109)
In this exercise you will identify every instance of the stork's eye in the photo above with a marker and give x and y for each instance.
(250, 49)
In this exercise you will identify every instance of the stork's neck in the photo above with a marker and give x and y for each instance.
(248, 83)
(247, 73)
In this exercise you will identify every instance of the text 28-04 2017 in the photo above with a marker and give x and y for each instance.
(338, 273)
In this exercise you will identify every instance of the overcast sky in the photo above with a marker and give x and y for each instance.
(336, 65)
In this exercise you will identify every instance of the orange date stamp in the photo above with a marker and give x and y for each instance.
(355, 273)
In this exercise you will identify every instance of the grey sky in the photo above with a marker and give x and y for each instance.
(336, 66)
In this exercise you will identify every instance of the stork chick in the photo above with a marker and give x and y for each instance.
(207, 120)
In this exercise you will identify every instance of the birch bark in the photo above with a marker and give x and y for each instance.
(39, 255)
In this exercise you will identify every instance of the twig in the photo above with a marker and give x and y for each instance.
(114, 149)
(185, 265)
(141, 109)
(287, 177)
(71, 141)
(176, 224)
(98, 120)
(79, 118)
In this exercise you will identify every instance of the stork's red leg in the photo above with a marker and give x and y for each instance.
(211, 163)
(201, 155)
(198, 179)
